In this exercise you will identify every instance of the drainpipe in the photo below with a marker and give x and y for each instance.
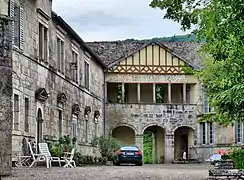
(104, 103)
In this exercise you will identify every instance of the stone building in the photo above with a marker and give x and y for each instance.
(62, 85)
(147, 89)
(58, 81)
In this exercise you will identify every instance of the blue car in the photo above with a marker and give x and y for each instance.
(128, 154)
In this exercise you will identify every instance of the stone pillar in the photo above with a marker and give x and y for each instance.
(154, 93)
(123, 92)
(169, 93)
(138, 93)
(139, 141)
(184, 93)
(169, 148)
(6, 114)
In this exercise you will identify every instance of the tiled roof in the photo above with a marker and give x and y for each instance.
(112, 51)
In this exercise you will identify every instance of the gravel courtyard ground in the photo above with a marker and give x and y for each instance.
(147, 172)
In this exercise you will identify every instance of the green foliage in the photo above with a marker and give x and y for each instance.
(159, 93)
(106, 146)
(64, 144)
(147, 148)
(82, 160)
(237, 155)
(221, 24)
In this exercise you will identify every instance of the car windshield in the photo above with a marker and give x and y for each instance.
(129, 148)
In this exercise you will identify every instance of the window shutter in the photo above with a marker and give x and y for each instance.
(21, 28)
(12, 16)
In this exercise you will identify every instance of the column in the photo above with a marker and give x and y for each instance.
(169, 92)
(6, 114)
(184, 93)
(123, 93)
(139, 141)
(138, 93)
(154, 93)
(169, 148)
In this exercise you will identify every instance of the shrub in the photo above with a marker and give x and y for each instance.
(238, 157)
(64, 144)
(106, 146)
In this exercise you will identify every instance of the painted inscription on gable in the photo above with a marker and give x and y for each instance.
(146, 78)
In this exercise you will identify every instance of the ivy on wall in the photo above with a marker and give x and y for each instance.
(148, 148)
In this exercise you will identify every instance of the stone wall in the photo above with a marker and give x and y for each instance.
(5, 96)
(31, 74)
(167, 116)
(224, 170)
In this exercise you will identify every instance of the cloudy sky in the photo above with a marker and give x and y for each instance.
(100, 20)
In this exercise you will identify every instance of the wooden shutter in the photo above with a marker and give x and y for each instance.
(21, 38)
(12, 16)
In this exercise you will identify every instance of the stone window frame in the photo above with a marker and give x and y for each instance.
(19, 42)
(87, 60)
(238, 125)
(18, 93)
(43, 19)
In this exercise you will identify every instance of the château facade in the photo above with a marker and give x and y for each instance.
(62, 85)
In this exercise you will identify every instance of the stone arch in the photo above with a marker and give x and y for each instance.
(183, 139)
(151, 125)
(188, 126)
(124, 134)
(154, 143)
(125, 124)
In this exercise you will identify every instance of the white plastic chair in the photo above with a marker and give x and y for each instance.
(68, 159)
(37, 157)
(44, 150)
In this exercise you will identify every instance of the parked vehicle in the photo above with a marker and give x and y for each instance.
(128, 154)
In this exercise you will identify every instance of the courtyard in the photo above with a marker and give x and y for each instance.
(148, 172)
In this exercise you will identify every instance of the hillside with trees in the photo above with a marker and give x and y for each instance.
(175, 38)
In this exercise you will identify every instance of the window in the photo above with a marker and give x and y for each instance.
(74, 67)
(17, 13)
(206, 107)
(16, 112)
(60, 55)
(60, 122)
(211, 133)
(203, 132)
(43, 42)
(87, 75)
(238, 132)
(26, 115)
(74, 125)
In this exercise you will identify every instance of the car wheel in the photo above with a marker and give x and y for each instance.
(138, 164)
(116, 163)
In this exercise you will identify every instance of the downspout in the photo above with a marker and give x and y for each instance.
(104, 103)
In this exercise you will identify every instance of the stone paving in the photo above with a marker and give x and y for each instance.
(147, 172)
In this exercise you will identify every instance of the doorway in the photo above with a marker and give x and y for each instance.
(39, 127)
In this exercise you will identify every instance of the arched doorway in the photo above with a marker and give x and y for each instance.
(39, 126)
(183, 138)
(124, 134)
(153, 144)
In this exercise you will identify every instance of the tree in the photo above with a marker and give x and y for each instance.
(221, 24)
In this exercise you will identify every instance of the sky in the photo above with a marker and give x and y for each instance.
(108, 20)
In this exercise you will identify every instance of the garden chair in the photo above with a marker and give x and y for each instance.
(68, 159)
(44, 150)
(37, 157)
(23, 161)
